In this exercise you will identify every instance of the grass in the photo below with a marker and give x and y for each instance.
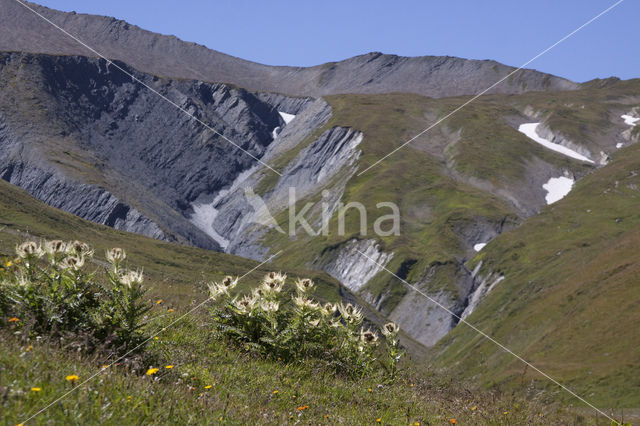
(569, 302)
(213, 383)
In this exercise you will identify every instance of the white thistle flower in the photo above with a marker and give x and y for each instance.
(116, 255)
(304, 285)
(78, 247)
(328, 309)
(29, 249)
(245, 305)
(314, 323)
(278, 277)
(274, 286)
(132, 277)
(350, 313)
(228, 283)
(55, 246)
(305, 303)
(369, 337)
(390, 329)
(270, 306)
(72, 262)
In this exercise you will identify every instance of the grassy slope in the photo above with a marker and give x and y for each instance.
(570, 301)
(242, 390)
(175, 273)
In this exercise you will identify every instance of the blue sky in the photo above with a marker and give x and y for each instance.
(288, 32)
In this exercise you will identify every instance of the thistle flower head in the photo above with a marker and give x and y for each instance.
(274, 286)
(116, 255)
(369, 337)
(314, 323)
(328, 309)
(269, 306)
(75, 262)
(304, 285)
(278, 277)
(216, 290)
(55, 246)
(305, 303)
(257, 293)
(132, 277)
(29, 249)
(350, 313)
(229, 282)
(78, 247)
(245, 305)
(390, 329)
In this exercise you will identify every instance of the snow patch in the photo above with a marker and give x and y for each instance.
(529, 129)
(630, 119)
(479, 246)
(557, 188)
(619, 145)
(286, 117)
(204, 214)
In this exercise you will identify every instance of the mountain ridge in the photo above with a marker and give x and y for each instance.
(164, 55)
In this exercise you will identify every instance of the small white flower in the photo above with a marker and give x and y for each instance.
(116, 255)
(29, 249)
(72, 262)
(305, 303)
(132, 277)
(328, 309)
(55, 246)
(368, 337)
(304, 285)
(390, 329)
(78, 247)
(350, 313)
(270, 306)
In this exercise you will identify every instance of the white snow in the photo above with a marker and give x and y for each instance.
(630, 120)
(205, 214)
(286, 117)
(203, 217)
(619, 145)
(529, 129)
(557, 188)
(479, 246)
(274, 133)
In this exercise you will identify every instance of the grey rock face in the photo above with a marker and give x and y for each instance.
(434, 76)
(354, 269)
(73, 127)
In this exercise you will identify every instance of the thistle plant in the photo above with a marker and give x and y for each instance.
(50, 290)
(394, 351)
(288, 324)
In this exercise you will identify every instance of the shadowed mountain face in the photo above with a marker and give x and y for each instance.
(432, 76)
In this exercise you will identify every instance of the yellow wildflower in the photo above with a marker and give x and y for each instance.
(9, 263)
(14, 319)
(453, 421)
(151, 371)
(72, 378)
(36, 389)
(29, 348)
(505, 413)
(474, 408)
(169, 367)
(275, 392)
(208, 386)
(159, 302)
(379, 420)
(155, 338)
(370, 390)
(302, 407)
(171, 310)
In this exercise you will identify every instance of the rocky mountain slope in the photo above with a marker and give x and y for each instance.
(168, 56)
